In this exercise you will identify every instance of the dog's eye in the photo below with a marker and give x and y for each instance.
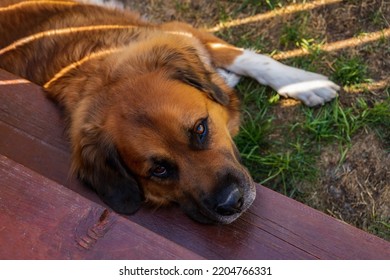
(163, 169)
(200, 130)
(160, 171)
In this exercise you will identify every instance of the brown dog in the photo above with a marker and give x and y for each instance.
(149, 115)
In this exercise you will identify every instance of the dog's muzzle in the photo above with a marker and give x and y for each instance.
(232, 196)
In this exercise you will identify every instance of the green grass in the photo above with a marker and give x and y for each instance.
(350, 71)
(296, 30)
(182, 6)
(279, 164)
(257, 6)
(330, 123)
(377, 118)
(288, 162)
(283, 154)
(293, 157)
(380, 228)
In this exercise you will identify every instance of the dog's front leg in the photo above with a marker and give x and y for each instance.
(311, 88)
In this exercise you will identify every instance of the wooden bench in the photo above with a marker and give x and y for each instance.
(45, 213)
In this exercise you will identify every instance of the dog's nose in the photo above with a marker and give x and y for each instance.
(229, 202)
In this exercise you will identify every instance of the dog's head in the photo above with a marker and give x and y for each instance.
(159, 128)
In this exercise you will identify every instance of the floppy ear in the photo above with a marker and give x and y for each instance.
(184, 64)
(201, 81)
(99, 165)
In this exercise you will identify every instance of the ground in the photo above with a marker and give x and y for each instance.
(335, 158)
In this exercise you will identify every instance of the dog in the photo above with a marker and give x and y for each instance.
(150, 108)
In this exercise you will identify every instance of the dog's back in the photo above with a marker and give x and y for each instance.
(37, 31)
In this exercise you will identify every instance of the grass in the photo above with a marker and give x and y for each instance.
(256, 6)
(278, 164)
(380, 228)
(293, 156)
(350, 71)
(294, 31)
(290, 162)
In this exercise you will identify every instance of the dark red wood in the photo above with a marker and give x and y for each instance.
(275, 227)
(41, 219)
(30, 104)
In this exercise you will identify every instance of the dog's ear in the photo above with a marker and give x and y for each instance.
(185, 64)
(98, 164)
(202, 81)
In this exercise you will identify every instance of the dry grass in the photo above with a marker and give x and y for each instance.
(357, 189)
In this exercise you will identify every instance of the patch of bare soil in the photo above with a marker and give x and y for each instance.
(356, 191)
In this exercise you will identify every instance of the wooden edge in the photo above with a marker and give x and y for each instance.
(41, 219)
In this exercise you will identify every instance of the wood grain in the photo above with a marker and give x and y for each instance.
(41, 219)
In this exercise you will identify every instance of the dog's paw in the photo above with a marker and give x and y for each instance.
(311, 88)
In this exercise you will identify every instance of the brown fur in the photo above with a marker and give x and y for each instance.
(133, 93)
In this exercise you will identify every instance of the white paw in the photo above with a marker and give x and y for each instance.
(311, 88)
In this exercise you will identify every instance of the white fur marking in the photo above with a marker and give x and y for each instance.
(306, 86)
(115, 4)
(231, 79)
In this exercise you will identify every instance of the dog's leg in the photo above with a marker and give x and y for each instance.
(311, 88)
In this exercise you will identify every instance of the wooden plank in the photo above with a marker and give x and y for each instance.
(275, 227)
(41, 219)
(30, 104)
(33, 124)
(271, 217)
(41, 157)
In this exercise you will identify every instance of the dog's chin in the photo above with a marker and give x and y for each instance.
(202, 214)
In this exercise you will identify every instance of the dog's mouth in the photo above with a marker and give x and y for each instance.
(232, 207)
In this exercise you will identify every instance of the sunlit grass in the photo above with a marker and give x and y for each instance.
(350, 70)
